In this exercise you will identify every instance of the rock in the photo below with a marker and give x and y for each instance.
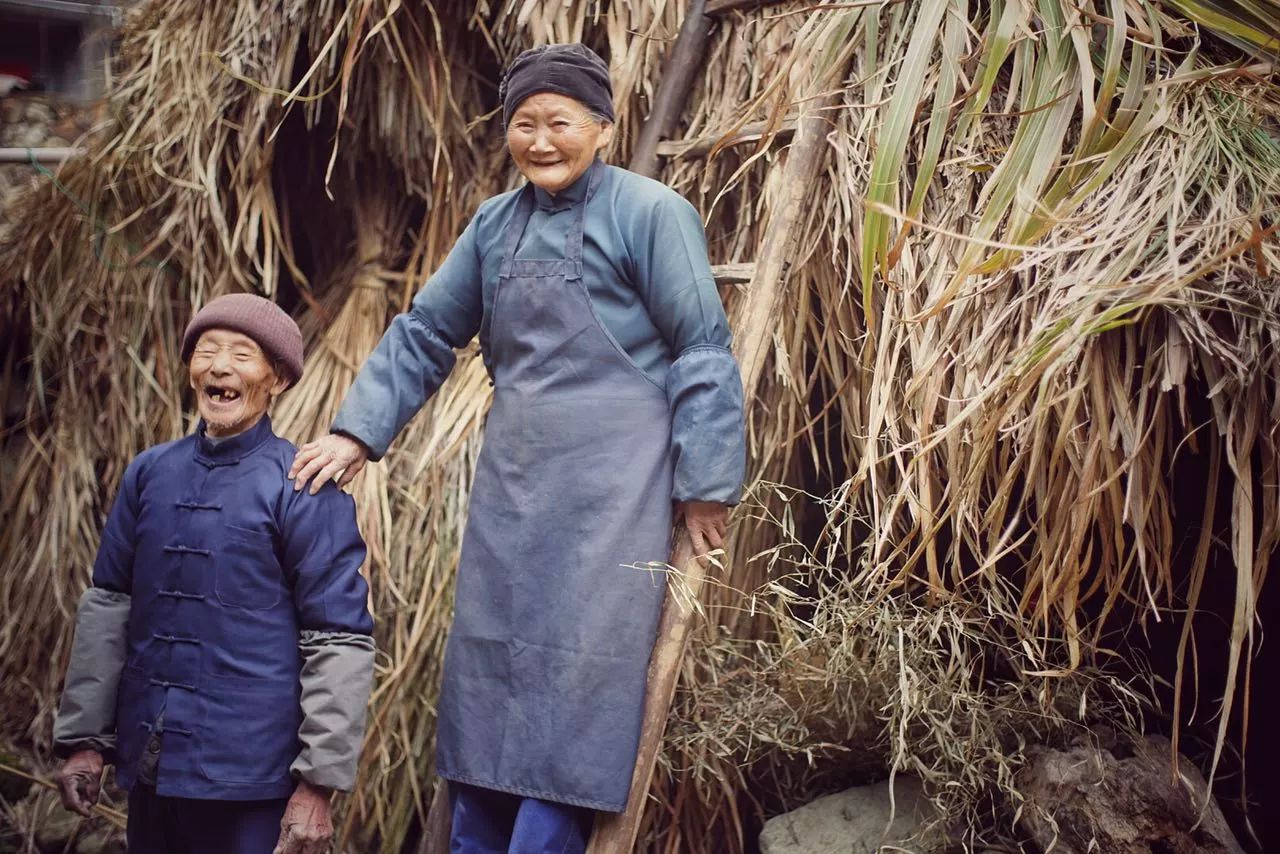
(1121, 799)
(854, 821)
(29, 136)
(55, 829)
(103, 840)
(12, 786)
(38, 111)
(12, 110)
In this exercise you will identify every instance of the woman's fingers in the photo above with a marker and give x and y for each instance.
(324, 459)
(708, 520)
(307, 462)
(715, 535)
(326, 474)
(699, 542)
(306, 454)
(310, 468)
(349, 473)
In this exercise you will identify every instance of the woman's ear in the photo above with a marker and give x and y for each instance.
(606, 136)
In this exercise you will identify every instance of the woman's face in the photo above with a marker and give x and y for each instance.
(553, 139)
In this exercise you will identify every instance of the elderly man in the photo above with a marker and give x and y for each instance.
(617, 404)
(222, 656)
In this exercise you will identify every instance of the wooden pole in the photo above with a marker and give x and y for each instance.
(435, 836)
(677, 79)
(616, 833)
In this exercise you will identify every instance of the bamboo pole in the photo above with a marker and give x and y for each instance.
(616, 833)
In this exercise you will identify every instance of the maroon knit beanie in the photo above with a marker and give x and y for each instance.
(260, 319)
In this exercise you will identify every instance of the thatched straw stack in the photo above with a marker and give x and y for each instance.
(1035, 273)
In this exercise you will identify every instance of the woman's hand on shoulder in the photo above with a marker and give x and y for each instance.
(332, 457)
(706, 522)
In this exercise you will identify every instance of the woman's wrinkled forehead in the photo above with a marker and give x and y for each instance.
(547, 104)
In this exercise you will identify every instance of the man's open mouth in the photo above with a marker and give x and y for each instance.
(219, 394)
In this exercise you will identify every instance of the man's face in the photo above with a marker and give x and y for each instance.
(553, 140)
(233, 381)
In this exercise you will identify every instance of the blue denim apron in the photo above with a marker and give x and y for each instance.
(544, 675)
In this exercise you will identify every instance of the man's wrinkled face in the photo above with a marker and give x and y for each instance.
(553, 139)
(233, 380)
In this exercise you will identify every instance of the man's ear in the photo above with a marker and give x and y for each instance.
(282, 382)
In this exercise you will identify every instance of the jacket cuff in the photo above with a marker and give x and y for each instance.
(708, 429)
(105, 745)
(337, 678)
(87, 712)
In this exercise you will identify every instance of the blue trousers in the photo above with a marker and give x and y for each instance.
(162, 825)
(489, 822)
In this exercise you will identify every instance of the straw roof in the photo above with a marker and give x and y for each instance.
(1035, 272)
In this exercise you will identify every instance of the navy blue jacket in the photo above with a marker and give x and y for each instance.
(226, 565)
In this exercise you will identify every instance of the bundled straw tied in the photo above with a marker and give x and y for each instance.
(1036, 268)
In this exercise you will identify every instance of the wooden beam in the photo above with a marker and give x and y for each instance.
(682, 65)
(753, 338)
(723, 7)
(733, 274)
(702, 146)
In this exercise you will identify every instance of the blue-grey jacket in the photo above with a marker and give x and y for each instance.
(644, 257)
(227, 615)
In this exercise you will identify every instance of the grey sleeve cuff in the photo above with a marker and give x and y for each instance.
(87, 714)
(708, 430)
(337, 678)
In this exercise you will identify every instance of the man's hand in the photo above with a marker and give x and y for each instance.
(306, 827)
(80, 781)
(706, 522)
(324, 458)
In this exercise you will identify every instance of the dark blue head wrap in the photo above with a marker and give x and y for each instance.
(574, 70)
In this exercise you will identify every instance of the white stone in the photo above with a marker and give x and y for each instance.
(855, 821)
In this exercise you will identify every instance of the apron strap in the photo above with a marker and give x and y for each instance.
(573, 242)
(515, 228)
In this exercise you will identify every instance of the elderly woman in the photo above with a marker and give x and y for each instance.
(616, 401)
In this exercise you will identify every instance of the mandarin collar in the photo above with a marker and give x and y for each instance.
(570, 195)
(233, 448)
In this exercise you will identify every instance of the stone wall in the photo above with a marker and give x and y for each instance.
(34, 121)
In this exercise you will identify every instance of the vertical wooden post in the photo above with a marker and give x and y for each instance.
(435, 835)
(673, 91)
(616, 834)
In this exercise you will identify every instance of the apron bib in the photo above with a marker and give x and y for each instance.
(544, 676)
